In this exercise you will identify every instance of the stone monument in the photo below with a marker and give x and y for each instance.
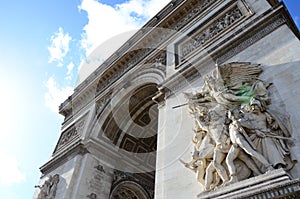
(201, 102)
(238, 135)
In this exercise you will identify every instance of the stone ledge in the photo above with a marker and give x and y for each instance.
(269, 185)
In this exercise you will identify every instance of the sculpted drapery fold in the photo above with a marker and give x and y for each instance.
(236, 134)
(48, 189)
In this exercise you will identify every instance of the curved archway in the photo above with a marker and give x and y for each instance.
(129, 190)
(132, 126)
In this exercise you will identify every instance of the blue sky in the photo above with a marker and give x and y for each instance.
(42, 46)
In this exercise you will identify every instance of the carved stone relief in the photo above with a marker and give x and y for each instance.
(134, 58)
(48, 189)
(227, 52)
(202, 5)
(97, 181)
(236, 134)
(102, 103)
(92, 196)
(67, 136)
(71, 133)
(143, 180)
(172, 26)
(214, 29)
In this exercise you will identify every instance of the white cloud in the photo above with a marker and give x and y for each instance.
(9, 170)
(106, 22)
(56, 95)
(59, 46)
(70, 68)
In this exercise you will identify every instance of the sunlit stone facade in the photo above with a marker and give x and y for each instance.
(123, 138)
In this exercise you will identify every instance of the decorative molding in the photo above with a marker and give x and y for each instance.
(159, 99)
(275, 184)
(144, 180)
(180, 79)
(159, 61)
(72, 133)
(102, 103)
(147, 35)
(67, 136)
(217, 27)
(251, 38)
(104, 82)
(192, 11)
(157, 37)
(289, 190)
(60, 158)
(65, 108)
(138, 56)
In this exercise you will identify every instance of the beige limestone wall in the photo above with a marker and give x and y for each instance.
(279, 54)
(67, 174)
(173, 180)
(92, 179)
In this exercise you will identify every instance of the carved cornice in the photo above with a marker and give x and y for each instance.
(65, 108)
(191, 10)
(134, 51)
(71, 134)
(248, 40)
(274, 184)
(76, 149)
(176, 15)
(102, 103)
(158, 60)
(287, 190)
(217, 26)
(261, 27)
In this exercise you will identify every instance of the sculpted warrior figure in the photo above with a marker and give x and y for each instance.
(267, 136)
(228, 144)
(48, 189)
(203, 155)
(216, 130)
(216, 99)
(242, 143)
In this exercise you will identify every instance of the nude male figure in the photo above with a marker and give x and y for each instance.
(241, 144)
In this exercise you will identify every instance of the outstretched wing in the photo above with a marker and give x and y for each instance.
(237, 74)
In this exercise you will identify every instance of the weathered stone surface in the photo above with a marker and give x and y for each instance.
(157, 55)
(277, 183)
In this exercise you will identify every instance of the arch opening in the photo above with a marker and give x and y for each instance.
(132, 127)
